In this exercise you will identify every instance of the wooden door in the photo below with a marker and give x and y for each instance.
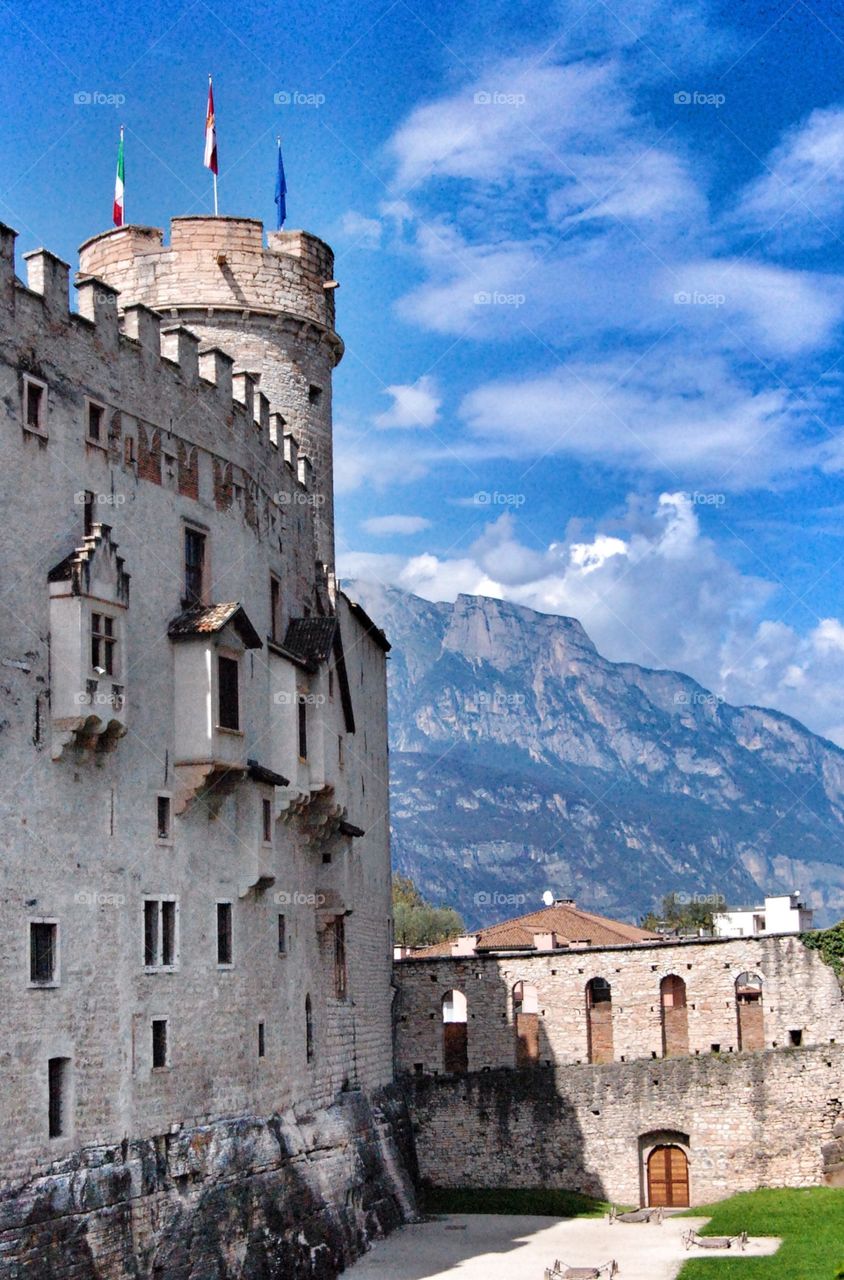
(455, 1047)
(668, 1178)
(527, 1039)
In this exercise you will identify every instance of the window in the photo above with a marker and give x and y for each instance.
(314, 394)
(267, 820)
(224, 933)
(88, 513)
(95, 424)
(194, 566)
(309, 1030)
(275, 609)
(103, 641)
(35, 405)
(43, 952)
(341, 752)
(57, 1073)
(228, 701)
(262, 1046)
(164, 818)
(340, 971)
(303, 728)
(282, 936)
(160, 933)
(159, 1044)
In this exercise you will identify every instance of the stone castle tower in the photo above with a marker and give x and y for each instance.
(271, 309)
(194, 822)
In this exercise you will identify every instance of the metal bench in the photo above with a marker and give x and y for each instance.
(691, 1238)
(635, 1215)
(562, 1271)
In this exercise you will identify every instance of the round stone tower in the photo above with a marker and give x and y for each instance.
(271, 309)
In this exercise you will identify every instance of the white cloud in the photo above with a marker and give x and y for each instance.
(801, 192)
(414, 405)
(365, 232)
(385, 525)
(654, 591)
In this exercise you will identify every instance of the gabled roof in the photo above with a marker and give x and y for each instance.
(206, 619)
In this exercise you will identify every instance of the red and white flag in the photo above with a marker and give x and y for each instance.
(210, 133)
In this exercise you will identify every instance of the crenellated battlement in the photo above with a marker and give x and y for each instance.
(137, 346)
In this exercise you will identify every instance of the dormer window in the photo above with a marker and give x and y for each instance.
(103, 641)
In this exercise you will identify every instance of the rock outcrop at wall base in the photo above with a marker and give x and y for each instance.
(288, 1197)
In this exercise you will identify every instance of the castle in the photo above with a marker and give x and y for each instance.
(201, 1017)
(196, 963)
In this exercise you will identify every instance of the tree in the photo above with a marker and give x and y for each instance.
(681, 912)
(418, 923)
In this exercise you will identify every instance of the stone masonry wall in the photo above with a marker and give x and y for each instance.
(79, 841)
(745, 1121)
(799, 994)
(296, 1196)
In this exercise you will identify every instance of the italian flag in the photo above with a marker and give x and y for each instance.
(118, 210)
(210, 133)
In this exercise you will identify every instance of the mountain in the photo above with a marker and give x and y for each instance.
(522, 760)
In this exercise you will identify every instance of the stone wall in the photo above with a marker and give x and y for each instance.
(295, 1196)
(801, 998)
(745, 1121)
(184, 442)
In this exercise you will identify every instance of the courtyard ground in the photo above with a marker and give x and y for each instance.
(810, 1222)
(517, 1247)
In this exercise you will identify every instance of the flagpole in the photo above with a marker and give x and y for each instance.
(215, 195)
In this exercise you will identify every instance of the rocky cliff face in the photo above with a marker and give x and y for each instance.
(524, 761)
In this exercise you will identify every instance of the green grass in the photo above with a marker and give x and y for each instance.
(545, 1202)
(810, 1223)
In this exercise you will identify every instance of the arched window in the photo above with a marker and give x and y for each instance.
(309, 1030)
(750, 1012)
(599, 1020)
(455, 1032)
(675, 1016)
(526, 1020)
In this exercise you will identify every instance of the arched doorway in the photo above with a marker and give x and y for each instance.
(455, 1033)
(675, 1016)
(668, 1178)
(599, 1020)
(526, 1020)
(750, 1012)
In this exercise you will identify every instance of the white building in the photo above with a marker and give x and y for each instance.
(781, 913)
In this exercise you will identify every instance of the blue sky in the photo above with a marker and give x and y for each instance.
(592, 286)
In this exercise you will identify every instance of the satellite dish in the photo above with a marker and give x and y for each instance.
(548, 898)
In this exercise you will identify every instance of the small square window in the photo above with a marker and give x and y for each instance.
(164, 818)
(159, 1044)
(35, 406)
(262, 1042)
(314, 394)
(282, 936)
(224, 934)
(95, 422)
(266, 820)
(43, 952)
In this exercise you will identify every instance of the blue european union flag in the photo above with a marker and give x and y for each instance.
(281, 190)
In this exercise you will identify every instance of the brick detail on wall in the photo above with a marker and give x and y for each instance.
(223, 485)
(188, 460)
(149, 453)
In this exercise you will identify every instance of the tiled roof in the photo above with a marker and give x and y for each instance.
(310, 639)
(206, 619)
(570, 924)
